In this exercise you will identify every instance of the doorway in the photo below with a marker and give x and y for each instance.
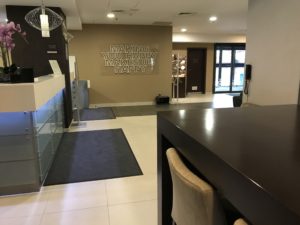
(196, 69)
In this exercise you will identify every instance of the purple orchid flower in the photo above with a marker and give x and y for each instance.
(7, 30)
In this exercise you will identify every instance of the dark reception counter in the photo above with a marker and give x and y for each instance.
(250, 155)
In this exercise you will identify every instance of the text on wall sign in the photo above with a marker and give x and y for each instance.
(130, 58)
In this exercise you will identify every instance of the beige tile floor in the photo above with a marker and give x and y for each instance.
(126, 201)
(129, 201)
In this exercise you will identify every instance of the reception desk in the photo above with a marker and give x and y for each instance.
(251, 156)
(31, 127)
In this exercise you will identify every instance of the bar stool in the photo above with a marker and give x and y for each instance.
(240, 222)
(194, 200)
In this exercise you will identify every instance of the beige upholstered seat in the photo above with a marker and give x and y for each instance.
(194, 201)
(240, 222)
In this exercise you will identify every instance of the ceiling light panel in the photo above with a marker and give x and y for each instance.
(213, 18)
(183, 30)
(110, 15)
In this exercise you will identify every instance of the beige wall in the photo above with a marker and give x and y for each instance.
(87, 46)
(273, 49)
(181, 48)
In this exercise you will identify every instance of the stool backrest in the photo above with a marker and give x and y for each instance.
(194, 200)
(240, 222)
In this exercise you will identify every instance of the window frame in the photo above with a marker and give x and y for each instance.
(233, 47)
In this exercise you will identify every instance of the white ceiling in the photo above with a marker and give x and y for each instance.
(231, 13)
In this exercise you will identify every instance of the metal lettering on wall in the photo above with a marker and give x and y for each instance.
(130, 58)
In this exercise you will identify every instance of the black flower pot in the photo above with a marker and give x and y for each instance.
(27, 75)
(15, 78)
(24, 75)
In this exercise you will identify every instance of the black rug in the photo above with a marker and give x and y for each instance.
(104, 113)
(92, 155)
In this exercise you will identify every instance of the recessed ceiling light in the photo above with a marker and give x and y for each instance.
(183, 30)
(213, 18)
(6, 20)
(110, 15)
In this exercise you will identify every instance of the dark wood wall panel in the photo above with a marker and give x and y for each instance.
(34, 53)
(196, 69)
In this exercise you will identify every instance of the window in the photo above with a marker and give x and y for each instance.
(229, 68)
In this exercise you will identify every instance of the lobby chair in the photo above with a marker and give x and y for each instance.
(194, 201)
(237, 100)
(240, 222)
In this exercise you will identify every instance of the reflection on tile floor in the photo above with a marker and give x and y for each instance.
(129, 201)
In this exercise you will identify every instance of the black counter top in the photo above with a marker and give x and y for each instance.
(260, 144)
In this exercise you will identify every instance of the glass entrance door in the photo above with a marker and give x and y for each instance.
(229, 68)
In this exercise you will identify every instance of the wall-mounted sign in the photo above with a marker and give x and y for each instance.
(130, 58)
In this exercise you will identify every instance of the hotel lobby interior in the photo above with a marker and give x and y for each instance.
(95, 93)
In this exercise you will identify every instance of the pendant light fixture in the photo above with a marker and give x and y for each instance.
(44, 19)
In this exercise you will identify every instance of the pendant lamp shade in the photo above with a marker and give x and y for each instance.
(49, 20)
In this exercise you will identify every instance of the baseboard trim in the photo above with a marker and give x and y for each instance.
(120, 104)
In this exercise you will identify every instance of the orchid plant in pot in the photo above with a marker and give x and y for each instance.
(7, 31)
